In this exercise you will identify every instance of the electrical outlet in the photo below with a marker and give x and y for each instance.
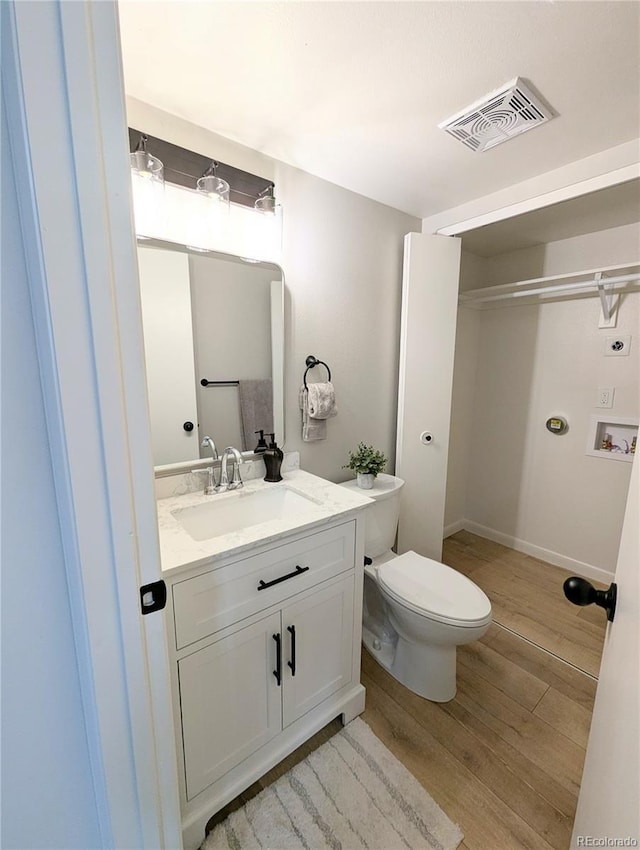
(605, 397)
(617, 346)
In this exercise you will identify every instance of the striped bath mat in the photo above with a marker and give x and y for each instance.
(349, 793)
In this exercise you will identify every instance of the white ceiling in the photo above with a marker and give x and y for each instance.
(353, 91)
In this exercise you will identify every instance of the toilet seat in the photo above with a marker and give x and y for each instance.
(434, 590)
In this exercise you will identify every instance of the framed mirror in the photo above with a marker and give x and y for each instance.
(214, 349)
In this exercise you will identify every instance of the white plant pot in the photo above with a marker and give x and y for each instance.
(365, 480)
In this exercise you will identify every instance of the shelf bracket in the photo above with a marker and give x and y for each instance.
(608, 303)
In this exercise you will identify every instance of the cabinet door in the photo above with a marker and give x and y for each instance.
(317, 634)
(230, 701)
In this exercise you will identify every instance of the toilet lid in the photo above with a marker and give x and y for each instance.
(433, 589)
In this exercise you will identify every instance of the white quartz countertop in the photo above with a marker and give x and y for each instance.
(180, 551)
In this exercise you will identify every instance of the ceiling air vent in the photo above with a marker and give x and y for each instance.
(498, 117)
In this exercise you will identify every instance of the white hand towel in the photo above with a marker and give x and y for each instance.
(312, 429)
(322, 400)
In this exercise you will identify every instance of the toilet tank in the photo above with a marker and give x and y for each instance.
(382, 516)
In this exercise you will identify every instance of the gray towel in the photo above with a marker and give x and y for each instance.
(256, 410)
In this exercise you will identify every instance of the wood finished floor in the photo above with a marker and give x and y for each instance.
(504, 758)
(527, 598)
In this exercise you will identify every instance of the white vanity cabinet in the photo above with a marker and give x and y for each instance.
(317, 633)
(266, 651)
(230, 702)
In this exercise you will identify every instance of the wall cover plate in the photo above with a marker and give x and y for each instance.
(617, 346)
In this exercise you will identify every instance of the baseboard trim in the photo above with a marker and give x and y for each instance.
(454, 527)
(551, 557)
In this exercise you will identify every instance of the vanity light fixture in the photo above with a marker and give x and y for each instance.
(144, 165)
(212, 186)
(266, 235)
(184, 199)
(266, 201)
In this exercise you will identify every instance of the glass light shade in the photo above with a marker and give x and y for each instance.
(214, 187)
(266, 204)
(208, 220)
(148, 204)
(178, 214)
(262, 234)
(146, 166)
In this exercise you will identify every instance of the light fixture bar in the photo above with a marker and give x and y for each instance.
(184, 167)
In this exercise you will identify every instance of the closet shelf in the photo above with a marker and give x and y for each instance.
(602, 281)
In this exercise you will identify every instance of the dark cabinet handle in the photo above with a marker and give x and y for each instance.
(292, 663)
(263, 585)
(582, 592)
(188, 426)
(278, 671)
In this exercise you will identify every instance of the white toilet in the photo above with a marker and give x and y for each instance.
(416, 611)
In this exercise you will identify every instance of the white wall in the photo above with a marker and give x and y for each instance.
(48, 795)
(462, 400)
(515, 367)
(342, 258)
(610, 247)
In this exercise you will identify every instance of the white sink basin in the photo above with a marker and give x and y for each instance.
(227, 513)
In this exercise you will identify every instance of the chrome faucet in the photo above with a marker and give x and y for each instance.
(236, 481)
(207, 441)
(210, 488)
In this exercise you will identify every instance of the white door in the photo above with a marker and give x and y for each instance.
(317, 648)
(62, 85)
(165, 294)
(427, 348)
(609, 803)
(230, 701)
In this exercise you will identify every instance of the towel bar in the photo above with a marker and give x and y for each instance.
(312, 361)
(206, 383)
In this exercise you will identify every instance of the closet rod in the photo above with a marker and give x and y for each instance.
(610, 283)
(555, 279)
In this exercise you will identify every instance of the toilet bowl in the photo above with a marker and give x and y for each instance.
(416, 610)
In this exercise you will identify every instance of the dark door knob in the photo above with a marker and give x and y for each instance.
(188, 426)
(582, 592)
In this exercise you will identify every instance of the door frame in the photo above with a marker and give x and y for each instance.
(68, 143)
(599, 746)
(63, 89)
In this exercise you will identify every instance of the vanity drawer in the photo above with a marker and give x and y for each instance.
(210, 602)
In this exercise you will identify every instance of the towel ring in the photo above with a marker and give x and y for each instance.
(312, 361)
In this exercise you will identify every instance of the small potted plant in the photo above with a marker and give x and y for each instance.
(367, 462)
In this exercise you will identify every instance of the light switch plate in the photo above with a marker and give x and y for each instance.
(617, 346)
